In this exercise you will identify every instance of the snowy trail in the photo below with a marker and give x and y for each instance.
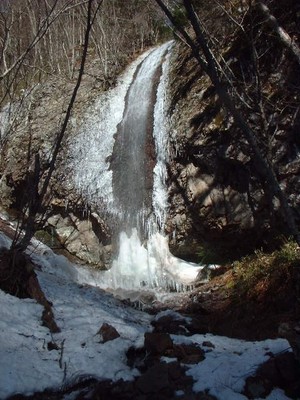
(27, 364)
(80, 312)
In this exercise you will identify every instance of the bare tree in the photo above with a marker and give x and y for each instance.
(39, 181)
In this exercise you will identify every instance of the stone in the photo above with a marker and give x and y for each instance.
(204, 396)
(154, 379)
(175, 371)
(207, 343)
(52, 346)
(108, 332)
(169, 324)
(292, 335)
(280, 371)
(188, 353)
(257, 387)
(158, 343)
(287, 367)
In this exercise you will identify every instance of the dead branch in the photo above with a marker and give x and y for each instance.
(283, 36)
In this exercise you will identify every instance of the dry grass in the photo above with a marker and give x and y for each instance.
(259, 273)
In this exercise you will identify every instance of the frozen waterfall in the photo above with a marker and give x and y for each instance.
(121, 155)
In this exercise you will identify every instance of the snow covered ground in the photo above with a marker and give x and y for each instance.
(32, 359)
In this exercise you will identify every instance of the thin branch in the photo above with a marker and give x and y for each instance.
(283, 36)
(40, 196)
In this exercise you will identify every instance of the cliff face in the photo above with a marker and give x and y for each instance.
(217, 195)
(70, 224)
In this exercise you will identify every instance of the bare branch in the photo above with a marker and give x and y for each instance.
(283, 36)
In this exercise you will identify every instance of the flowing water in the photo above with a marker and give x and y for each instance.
(121, 165)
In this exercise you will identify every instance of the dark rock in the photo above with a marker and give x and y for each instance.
(204, 396)
(154, 380)
(207, 343)
(292, 334)
(122, 389)
(188, 353)
(175, 371)
(257, 387)
(287, 367)
(280, 371)
(169, 324)
(24, 283)
(197, 325)
(158, 343)
(52, 346)
(107, 333)
(136, 357)
(269, 371)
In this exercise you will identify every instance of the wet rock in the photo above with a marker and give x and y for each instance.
(108, 332)
(136, 357)
(23, 283)
(287, 367)
(197, 325)
(122, 389)
(175, 371)
(52, 346)
(204, 396)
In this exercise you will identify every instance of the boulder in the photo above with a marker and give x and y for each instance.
(158, 343)
(107, 332)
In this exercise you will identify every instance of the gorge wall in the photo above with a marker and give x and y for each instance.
(217, 199)
(219, 205)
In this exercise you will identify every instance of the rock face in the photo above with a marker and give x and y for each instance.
(216, 194)
(72, 224)
(215, 189)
